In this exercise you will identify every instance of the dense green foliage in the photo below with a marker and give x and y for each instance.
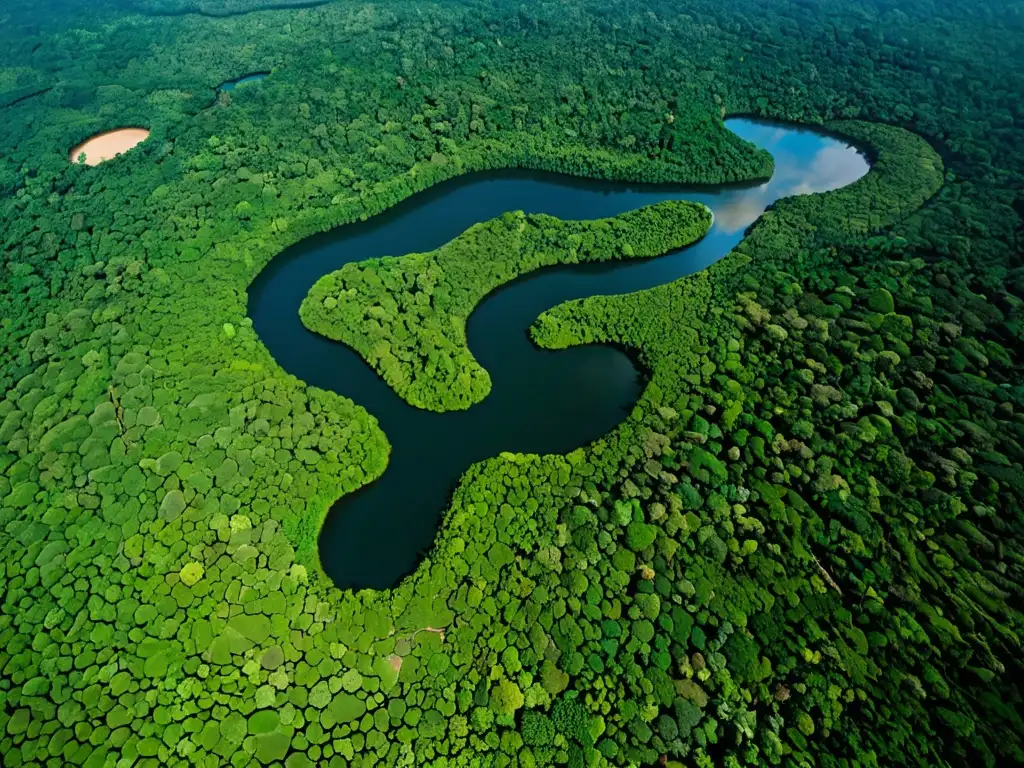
(804, 546)
(407, 316)
(719, 441)
(220, 8)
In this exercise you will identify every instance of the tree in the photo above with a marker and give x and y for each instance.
(506, 697)
(537, 729)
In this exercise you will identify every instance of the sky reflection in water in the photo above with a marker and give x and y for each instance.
(832, 167)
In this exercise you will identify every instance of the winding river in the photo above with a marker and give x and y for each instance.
(541, 401)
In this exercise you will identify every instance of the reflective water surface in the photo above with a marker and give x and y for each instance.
(230, 85)
(541, 401)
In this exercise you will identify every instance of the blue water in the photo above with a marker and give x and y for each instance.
(541, 401)
(230, 85)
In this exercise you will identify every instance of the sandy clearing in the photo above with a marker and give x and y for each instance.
(109, 144)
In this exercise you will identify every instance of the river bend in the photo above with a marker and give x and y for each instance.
(541, 401)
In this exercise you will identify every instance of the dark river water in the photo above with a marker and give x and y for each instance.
(541, 401)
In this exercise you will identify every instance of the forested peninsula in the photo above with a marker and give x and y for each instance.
(802, 547)
(407, 317)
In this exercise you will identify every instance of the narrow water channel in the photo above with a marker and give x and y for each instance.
(541, 401)
(252, 77)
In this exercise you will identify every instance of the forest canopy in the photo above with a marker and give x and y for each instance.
(803, 547)
(407, 316)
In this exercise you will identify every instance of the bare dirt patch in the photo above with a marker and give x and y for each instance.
(108, 145)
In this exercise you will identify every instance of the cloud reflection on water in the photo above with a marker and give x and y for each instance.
(831, 168)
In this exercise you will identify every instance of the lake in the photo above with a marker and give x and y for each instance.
(541, 401)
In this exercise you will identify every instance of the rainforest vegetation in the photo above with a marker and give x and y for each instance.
(407, 316)
(805, 546)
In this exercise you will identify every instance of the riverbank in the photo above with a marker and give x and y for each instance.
(539, 402)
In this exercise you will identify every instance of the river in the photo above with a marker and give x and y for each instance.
(541, 401)
(252, 77)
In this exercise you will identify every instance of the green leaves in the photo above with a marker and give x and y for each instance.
(191, 573)
(352, 681)
(22, 495)
(263, 721)
(537, 729)
(407, 316)
(145, 430)
(255, 628)
(168, 463)
(639, 535)
(346, 707)
(173, 504)
(65, 435)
